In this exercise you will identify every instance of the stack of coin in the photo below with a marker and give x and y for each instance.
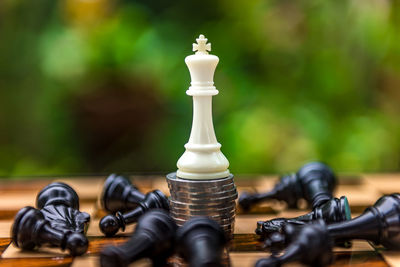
(213, 198)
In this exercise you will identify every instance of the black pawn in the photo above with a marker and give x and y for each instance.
(59, 204)
(379, 223)
(200, 241)
(314, 182)
(119, 194)
(311, 246)
(334, 210)
(153, 238)
(31, 230)
(110, 224)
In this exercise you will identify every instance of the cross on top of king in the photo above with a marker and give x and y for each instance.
(202, 46)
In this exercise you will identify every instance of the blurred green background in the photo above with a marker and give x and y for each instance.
(94, 86)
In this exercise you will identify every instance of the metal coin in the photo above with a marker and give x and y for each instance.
(228, 228)
(228, 216)
(182, 194)
(225, 227)
(199, 212)
(201, 189)
(197, 206)
(203, 212)
(203, 202)
(220, 221)
(174, 179)
(202, 197)
(214, 207)
(196, 191)
(210, 200)
(228, 225)
(225, 215)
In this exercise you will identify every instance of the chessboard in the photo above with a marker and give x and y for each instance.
(245, 248)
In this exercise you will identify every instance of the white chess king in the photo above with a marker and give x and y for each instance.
(203, 158)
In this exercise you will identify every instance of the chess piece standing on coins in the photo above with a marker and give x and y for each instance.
(153, 238)
(379, 223)
(58, 223)
(203, 185)
(314, 182)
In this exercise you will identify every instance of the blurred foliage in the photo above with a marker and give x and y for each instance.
(99, 85)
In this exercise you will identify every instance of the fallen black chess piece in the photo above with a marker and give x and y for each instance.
(57, 222)
(119, 194)
(201, 241)
(111, 224)
(31, 230)
(314, 182)
(153, 238)
(59, 204)
(311, 244)
(334, 210)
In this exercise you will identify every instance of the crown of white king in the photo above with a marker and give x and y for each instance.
(202, 46)
(202, 66)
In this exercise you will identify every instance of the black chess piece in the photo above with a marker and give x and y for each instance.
(334, 210)
(314, 182)
(59, 204)
(119, 194)
(379, 223)
(311, 246)
(31, 230)
(200, 241)
(110, 224)
(153, 238)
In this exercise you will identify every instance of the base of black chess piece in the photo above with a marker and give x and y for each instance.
(201, 241)
(153, 238)
(31, 230)
(111, 224)
(119, 194)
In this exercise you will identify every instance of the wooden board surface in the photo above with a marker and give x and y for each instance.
(244, 250)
